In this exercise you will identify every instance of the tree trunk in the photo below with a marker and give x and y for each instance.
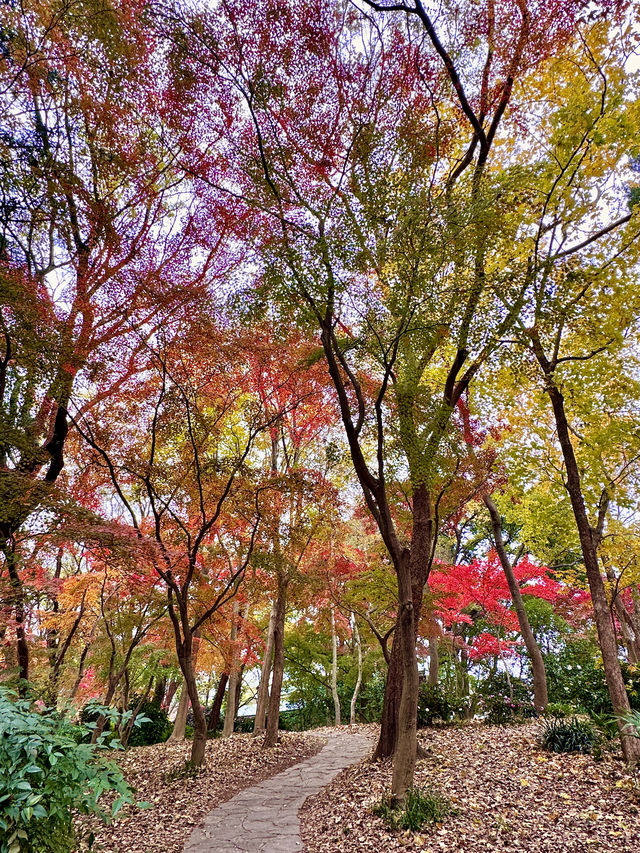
(627, 626)
(418, 561)
(273, 715)
(334, 670)
(604, 624)
(180, 722)
(80, 675)
(126, 734)
(356, 689)
(199, 722)
(406, 744)
(540, 693)
(390, 704)
(230, 712)
(19, 613)
(214, 716)
(174, 683)
(108, 696)
(239, 689)
(265, 673)
(159, 690)
(434, 661)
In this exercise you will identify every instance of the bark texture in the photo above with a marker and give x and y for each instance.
(540, 692)
(265, 675)
(356, 689)
(604, 623)
(273, 716)
(334, 670)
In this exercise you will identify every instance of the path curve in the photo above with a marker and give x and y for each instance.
(264, 818)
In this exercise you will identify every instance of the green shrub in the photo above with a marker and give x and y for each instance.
(420, 808)
(572, 735)
(633, 719)
(575, 675)
(502, 710)
(434, 703)
(244, 724)
(559, 710)
(44, 775)
(607, 724)
(505, 700)
(155, 728)
(371, 698)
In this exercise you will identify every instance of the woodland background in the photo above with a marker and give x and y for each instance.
(319, 366)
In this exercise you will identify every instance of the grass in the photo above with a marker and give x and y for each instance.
(420, 808)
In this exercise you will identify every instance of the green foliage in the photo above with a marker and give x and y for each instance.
(559, 710)
(420, 808)
(156, 727)
(502, 710)
(369, 704)
(505, 702)
(45, 774)
(576, 677)
(606, 724)
(244, 724)
(435, 703)
(633, 719)
(574, 735)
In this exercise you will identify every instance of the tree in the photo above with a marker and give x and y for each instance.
(343, 156)
(89, 255)
(184, 483)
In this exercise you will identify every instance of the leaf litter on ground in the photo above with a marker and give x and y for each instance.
(177, 798)
(510, 795)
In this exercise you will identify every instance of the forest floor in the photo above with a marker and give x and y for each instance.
(179, 801)
(510, 795)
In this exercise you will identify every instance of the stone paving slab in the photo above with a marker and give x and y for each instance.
(264, 818)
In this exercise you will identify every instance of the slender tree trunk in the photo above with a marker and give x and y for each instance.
(174, 683)
(80, 675)
(273, 715)
(604, 624)
(356, 689)
(126, 734)
(390, 704)
(108, 696)
(406, 744)
(57, 659)
(214, 716)
(199, 721)
(19, 612)
(239, 689)
(334, 670)
(434, 662)
(159, 690)
(627, 626)
(187, 650)
(418, 562)
(180, 722)
(265, 673)
(230, 712)
(540, 692)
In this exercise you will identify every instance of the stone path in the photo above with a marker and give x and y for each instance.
(264, 818)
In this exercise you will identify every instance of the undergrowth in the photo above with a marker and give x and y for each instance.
(572, 735)
(420, 808)
(186, 770)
